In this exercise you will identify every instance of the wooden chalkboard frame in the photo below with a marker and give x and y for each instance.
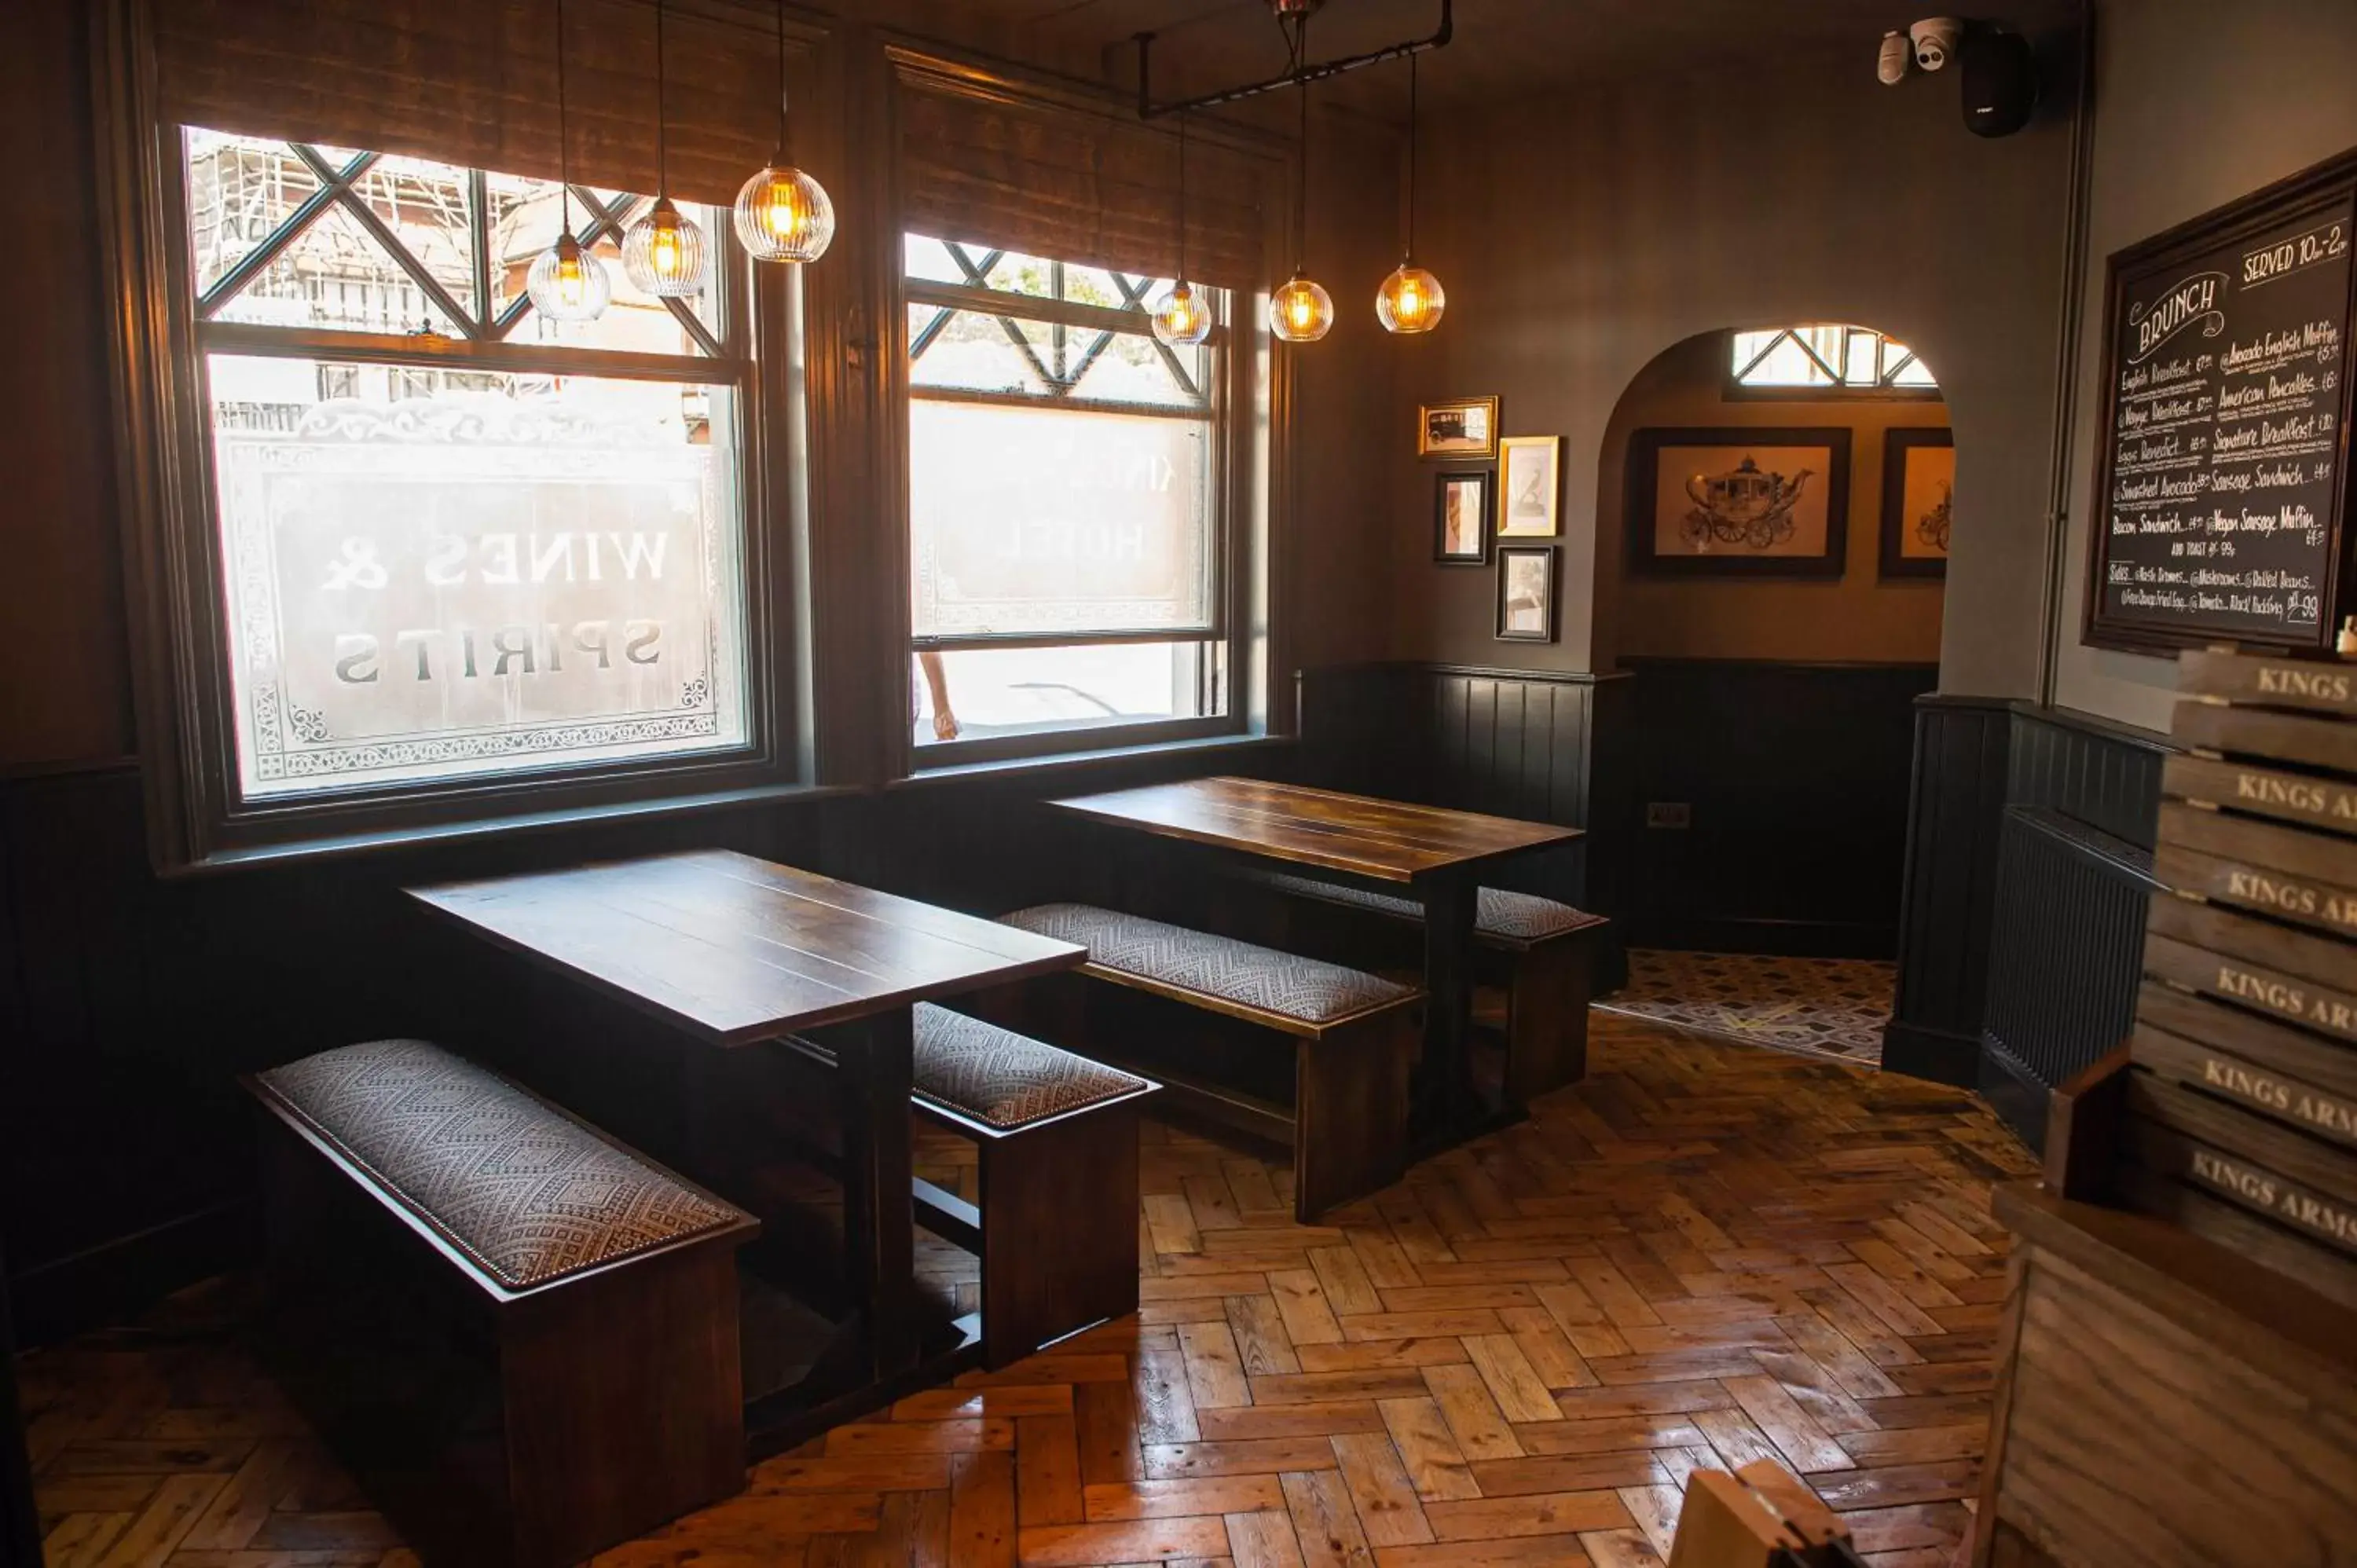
(2264, 208)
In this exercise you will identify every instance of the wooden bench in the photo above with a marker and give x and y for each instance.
(1542, 953)
(603, 1287)
(1056, 1228)
(1340, 1101)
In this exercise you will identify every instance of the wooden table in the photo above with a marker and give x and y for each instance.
(1434, 856)
(735, 950)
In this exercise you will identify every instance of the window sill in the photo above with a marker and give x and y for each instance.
(512, 825)
(1077, 761)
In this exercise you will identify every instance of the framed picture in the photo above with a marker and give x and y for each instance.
(1460, 518)
(1738, 503)
(1530, 483)
(1461, 427)
(1526, 593)
(1919, 483)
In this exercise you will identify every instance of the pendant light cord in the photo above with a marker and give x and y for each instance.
(662, 117)
(563, 136)
(1409, 253)
(781, 159)
(1182, 196)
(1301, 177)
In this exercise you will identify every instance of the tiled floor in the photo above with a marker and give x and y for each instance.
(1701, 1255)
(1814, 1006)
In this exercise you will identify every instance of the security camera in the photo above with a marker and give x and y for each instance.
(1897, 58)
(1935, 39)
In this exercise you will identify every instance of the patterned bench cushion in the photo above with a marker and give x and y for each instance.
(1002, 1079)
(1498, 913)
(525, 1190)
(1302, 989)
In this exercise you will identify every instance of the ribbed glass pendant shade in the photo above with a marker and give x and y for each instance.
(784, 215)
(662, 253)
(1181, 318)
(1301, 311)
(1411, 300)
(567, 283)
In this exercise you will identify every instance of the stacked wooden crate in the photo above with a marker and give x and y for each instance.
(2243, 1102)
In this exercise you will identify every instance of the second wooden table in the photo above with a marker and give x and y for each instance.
(1438, 855)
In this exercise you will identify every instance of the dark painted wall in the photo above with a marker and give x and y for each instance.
(1582, 235)
(2196, 103)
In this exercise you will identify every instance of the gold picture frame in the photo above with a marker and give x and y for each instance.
(1530, 487)
(1463, 428)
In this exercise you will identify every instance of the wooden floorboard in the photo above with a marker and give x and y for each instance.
(1702, 1256)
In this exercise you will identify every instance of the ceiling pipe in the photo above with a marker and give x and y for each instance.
(1150, 109)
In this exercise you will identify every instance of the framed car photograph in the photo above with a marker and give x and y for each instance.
(1527, 594)
(1919, 487)
(1738, 503)
(1460, 427)
(1460, 518)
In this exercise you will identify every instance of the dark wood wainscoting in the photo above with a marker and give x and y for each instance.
(1793, 782)
(2029, 857)
(1955, 812)
(128, 1004)
(1515, 742)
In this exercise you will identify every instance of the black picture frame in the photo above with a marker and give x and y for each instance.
(1640, 501)
(1544, 554)
(2322, 194)
(1892, 563)
(1484, 482)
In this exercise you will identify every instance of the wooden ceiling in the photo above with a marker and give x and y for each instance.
(1502, 49)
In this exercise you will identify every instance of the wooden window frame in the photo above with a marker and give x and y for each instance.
(197, 817)
(1219, 401)
(1839, 390)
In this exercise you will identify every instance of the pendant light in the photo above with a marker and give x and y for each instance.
(566, 282)
(662, 253)
(1181, 319)
(1411, 299)
(1300, 311)
(782, 214)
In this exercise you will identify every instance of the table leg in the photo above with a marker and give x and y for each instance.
(879, 1223)
(1445, 1092)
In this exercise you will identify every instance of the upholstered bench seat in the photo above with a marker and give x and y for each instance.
(603, 1285)
(1004, 1080)
(1201, 1012)
(1056, 1136)
(1500, 915)
(1546, 955)
(530, 1194)
(1301, 995)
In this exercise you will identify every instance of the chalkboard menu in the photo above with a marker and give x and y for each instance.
(2221, 477)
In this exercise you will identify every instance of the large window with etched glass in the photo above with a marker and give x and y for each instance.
(1065, 500)
(456, 540)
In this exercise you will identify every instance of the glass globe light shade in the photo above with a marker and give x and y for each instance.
(568, 283)
(1411, 300)
(1181, 318)
(784, 215)
(1300, 312)
(663, 255)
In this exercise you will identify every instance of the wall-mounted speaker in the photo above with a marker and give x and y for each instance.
(2000, 81)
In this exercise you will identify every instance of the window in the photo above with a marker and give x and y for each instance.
(1065, 504)
(1840, 362)
(458, 543)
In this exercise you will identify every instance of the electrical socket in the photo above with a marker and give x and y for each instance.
(1669, 814)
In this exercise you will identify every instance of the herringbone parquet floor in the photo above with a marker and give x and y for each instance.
(1701, 1256)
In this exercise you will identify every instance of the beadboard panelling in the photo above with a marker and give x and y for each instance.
(1956, 801)
(2064, 962)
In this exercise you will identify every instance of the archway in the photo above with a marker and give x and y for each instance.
(1773, 515)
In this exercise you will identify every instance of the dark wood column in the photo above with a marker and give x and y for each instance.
(20, 1525)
